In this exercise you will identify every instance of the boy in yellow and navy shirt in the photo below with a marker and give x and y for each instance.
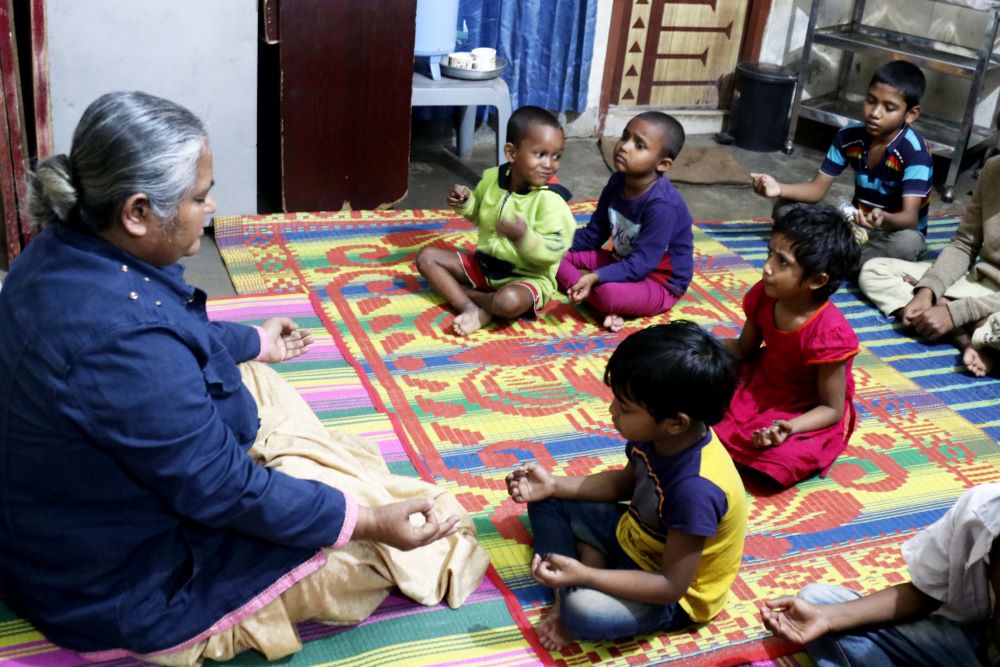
(525, 228)
(668, 558)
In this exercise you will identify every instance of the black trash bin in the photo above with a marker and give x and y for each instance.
(762, 99)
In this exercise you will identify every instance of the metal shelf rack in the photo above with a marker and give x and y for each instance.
(945, 137)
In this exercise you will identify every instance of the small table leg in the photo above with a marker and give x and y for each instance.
(435, 65)
(466, 130)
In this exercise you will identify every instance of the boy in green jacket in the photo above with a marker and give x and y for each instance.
(525, 228)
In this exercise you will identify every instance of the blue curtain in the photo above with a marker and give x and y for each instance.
(548, 45)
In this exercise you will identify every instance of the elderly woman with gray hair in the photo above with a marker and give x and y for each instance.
(160, 498)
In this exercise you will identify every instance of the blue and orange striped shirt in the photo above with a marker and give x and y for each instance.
(906, 169)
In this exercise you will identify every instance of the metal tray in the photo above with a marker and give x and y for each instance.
(473, 74)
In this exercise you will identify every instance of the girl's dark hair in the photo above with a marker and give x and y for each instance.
(674, 368)
(822, 241)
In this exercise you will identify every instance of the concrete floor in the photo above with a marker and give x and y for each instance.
(434, 168)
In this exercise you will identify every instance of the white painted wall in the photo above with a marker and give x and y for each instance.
(199, 53)
(945, 96)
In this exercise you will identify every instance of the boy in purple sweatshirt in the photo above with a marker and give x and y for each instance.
(651, 261)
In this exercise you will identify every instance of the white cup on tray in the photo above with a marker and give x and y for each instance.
(484, 59)
(460, 60)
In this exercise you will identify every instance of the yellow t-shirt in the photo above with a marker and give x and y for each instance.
(698, 492)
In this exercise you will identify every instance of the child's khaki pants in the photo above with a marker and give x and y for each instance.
(883, 280)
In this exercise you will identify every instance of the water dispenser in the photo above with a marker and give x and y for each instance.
(437, 22)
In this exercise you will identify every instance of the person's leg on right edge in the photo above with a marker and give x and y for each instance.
(840, 650)
(979, 342)
(983, 353)
(930, 641)
(886, 282)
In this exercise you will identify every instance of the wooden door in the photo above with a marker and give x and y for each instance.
(346, 79)
(673, 53)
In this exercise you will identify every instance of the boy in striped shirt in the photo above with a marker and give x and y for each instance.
(893, 168)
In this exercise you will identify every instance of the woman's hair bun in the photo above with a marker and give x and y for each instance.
(52, 196)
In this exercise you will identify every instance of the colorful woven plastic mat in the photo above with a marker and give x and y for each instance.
(400, 632)
(471, 408)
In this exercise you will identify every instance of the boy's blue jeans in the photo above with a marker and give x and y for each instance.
(932, 641)
(589, 614)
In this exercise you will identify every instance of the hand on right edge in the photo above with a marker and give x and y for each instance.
(794, 620)
(530, 483)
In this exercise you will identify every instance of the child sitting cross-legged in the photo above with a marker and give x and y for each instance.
(651, 260)
(525, 228)
(667, 558)
(893, 168)
(946, 614)
(793, 411)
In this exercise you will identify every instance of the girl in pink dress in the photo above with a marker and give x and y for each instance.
(793, 411)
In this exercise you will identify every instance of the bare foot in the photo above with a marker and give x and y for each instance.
(552, 634)
(979, 362)
(614, 323)
(471, 319)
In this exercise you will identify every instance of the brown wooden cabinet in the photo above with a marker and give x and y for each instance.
(346, 70)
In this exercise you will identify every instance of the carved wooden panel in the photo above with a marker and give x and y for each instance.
(677, 53)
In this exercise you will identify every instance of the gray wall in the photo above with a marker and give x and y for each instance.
(199, 53)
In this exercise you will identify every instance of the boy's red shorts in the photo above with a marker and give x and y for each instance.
(474, 272)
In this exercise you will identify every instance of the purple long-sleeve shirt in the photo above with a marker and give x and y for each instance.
(651, 234)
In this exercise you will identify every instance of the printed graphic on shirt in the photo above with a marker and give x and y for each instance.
(623, 232)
